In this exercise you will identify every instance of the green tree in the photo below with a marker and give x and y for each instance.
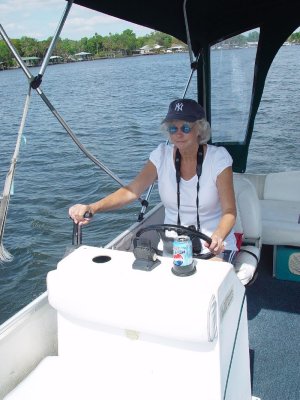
(253, 36)
(44, 45)
(83, 44)
(108, 43)
(96, 44)
(17, 44)
(239, 40)
(124, 43)
(160, 38)
(30, 47)
(5, 55)
(128, 41)
(295, 37)
(68, 47)
(140, 42)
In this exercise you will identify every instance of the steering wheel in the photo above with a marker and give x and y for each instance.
(180, 230)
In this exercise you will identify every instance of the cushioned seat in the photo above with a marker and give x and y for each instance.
(283, 186)
(249, 224)
(281, 209)
(280, 222)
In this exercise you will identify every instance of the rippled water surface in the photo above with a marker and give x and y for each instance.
(114, 107)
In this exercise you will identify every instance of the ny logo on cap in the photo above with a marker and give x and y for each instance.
(178, 106)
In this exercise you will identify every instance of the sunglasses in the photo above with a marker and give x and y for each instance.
(185, 128)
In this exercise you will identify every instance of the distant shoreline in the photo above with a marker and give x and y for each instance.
(71, 59)
(92, 58)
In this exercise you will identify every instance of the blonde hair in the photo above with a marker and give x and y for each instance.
(204, 130)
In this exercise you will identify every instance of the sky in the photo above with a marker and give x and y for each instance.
(39, 19)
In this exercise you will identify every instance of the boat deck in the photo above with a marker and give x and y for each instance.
(274, 326)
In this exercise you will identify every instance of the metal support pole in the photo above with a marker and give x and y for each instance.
(56, 113)
(55, 38)
(76, 140)
(16, 54)
(194, 67)
(188, 37)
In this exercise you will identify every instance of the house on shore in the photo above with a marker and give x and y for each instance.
(252, 44)
(56, 60)
(176, 49)
(31, 61)
(146, 50)
(83, 56)
(156, 49)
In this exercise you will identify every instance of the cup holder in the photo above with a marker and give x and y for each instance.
(101, 259)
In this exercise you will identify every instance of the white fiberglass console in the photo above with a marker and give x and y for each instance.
(131, 334)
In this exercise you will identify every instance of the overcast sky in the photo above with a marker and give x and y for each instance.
(39, 19)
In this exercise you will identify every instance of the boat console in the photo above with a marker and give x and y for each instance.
(127, 333)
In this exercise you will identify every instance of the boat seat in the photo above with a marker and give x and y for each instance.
(250, 226)
(280, 208)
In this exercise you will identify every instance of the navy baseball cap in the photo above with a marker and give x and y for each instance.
(184, 109)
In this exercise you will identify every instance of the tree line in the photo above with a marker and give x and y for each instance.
(241, 40)
(100, 46)
(294, 38)
(124, 43)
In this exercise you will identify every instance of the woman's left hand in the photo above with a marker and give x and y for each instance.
(217, 244)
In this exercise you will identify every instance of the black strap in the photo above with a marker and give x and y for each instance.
(177, 167)
(198, 172)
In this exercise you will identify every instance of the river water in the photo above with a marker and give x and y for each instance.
(115, 106)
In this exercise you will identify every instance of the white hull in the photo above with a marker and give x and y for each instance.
(25, 339)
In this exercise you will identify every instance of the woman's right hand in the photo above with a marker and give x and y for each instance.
(78, 213)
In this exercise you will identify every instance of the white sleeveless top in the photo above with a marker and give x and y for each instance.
(215, 161)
